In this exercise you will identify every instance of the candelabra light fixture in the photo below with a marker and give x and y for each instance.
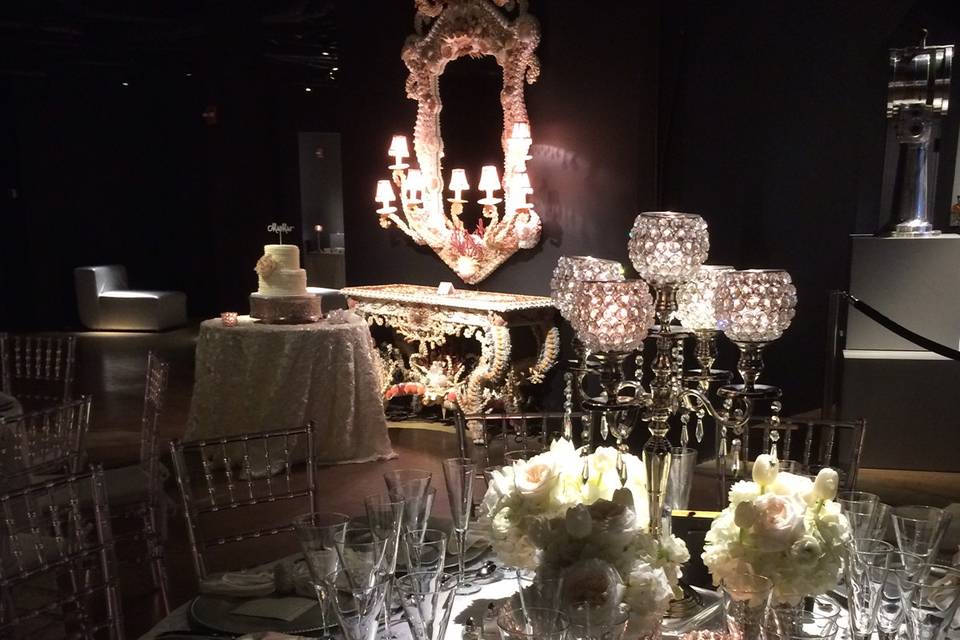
(508, 221)
(613, 319)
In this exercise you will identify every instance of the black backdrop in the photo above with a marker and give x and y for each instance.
(766, 118)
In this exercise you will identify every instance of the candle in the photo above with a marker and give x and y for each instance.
(229, 318)
(489, 182)
(458, 184)
(399, 151)
(385, 196)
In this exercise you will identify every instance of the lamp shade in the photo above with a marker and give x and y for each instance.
(414, 180)
(458, 180)
(667, 247)
(695, 299)
(521, 182)
(573, 269)
(521, 131)
(612, 316)
(398, 147)
(384, 192)
(755, 305)
(489, 180)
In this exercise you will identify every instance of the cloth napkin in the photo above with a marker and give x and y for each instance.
(239, 584)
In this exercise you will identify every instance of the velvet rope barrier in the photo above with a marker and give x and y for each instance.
(899, 329)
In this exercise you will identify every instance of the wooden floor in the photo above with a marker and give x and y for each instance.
(111, 369)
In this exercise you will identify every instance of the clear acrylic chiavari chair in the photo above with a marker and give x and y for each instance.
(804, 445)
(221, 476)
(44, 442)
(37, 370)
(136, 491)
(58, 571)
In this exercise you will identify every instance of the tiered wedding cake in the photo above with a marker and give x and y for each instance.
(282, 296)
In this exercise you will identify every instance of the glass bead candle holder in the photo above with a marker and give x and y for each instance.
(229, 318)
(754, 307)
(612, 317)
(696, 311)
(572, 269)
(667, 247)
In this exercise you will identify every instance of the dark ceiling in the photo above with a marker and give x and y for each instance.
(297, 39)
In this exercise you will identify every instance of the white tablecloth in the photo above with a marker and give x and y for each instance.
(256, 377)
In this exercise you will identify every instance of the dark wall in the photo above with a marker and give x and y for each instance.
(773, 121)
(593, 116)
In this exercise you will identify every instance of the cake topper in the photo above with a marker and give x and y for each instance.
(279, 229)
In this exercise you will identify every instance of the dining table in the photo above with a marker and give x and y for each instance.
(256, 376)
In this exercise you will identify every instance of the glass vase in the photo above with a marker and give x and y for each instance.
(746, 604)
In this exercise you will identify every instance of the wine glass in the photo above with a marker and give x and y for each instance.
(459, 474)
(317, 533)
(413, 485)
(357, 606)
(426, 550)
(919, 529)
(427, 600)
(866, 571)
(385, 517)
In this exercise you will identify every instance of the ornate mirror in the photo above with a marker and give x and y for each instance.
(446, 30)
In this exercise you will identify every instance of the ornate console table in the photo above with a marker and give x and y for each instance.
(426, 319)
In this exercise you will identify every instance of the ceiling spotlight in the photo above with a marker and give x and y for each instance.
(125, 83)
(335, 69)
(307, 89)
(325, 53)
(189, 75)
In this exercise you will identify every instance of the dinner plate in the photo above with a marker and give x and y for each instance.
(214, 613)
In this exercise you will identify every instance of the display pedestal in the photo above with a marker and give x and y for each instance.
(906, 394)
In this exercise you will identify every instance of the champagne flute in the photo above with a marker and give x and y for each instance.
(318, 533)
(385, 516)
(459, 474)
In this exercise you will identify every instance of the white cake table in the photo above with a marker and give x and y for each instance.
(256, 377)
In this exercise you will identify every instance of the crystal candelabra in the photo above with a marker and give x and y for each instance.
(613, 318)
(472, 253)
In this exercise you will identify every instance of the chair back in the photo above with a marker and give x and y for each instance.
(531, 428)
(814, 444)
(58, 565)
(238, 472)
(38, 370)
(47, 441)
(154, 394)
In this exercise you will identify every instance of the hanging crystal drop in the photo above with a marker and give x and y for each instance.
(568, 406)
(585, 472)
(604, 427)
(699, 433)
(684, 431)
(621, 468)
(735, 454)
(774, 439)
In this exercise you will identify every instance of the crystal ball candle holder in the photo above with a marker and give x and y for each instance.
(667, 248)
(755, 305)
(573, 269)
(612, 317)
(695, 299)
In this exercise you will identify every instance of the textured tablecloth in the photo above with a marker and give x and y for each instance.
(255, 377)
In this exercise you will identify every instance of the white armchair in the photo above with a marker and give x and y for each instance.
(106, 303)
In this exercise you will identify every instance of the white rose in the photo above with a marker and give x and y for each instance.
(765, 469)
(535, 477)
(779, 522)
(806, 551)
(788, 484)
(578, 522)
(833, 525)
(826, 485)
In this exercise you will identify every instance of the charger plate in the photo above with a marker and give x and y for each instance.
(213, 613)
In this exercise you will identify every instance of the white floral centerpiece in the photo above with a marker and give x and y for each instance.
(560, 513)
(782, 526)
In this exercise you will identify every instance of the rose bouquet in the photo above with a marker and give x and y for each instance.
(782, 526)
(562, 514)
